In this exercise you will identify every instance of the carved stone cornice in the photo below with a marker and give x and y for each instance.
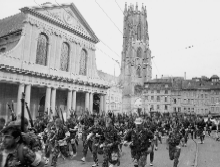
(50, 30)
(58, 23)
(44, 79)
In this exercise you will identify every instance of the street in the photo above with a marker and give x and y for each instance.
(209, 153)
(161, 157)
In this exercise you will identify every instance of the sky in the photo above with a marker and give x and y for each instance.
(174, 26)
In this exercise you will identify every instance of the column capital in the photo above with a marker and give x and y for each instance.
(21, 83)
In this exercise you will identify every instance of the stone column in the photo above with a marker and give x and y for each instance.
(27, 100)
(104, 103)
(53, 100)
(101, 104)
(20, 91)
(87, 101)
(69, 103)
(47, 100)
(91, 102)
(74, 100)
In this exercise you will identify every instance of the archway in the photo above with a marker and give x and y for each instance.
(41, 106)
(96, 103)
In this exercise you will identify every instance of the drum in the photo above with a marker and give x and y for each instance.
(62, 143)
(72, 141)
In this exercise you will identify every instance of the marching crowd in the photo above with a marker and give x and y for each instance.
(103, 135)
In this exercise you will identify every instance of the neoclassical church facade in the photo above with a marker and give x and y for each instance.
(48, 52)
(136, 65)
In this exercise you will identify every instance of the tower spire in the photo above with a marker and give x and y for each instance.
(136, 7)
(125, 7)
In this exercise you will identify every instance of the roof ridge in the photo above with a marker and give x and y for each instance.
(10, 16)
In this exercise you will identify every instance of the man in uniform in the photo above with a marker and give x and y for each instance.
(201, 129)
(139, 139)
(86, 122)
(61, 135)
(15, 153)
(71, 125)
(110, 144)
(96, 135)
(173, 142)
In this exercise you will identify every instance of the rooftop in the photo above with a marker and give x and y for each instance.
(11, 24)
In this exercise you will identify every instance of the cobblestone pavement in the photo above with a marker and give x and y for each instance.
(209, 153)
(161, 157)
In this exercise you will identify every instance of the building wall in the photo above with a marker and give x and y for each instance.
(198, 100)
(155, 99)
(8, 93)
(21, 57)
(114, 99)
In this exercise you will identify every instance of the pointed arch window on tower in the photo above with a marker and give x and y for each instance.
(42, 49)
(139, 52)
(83, 63)
(64, 58)
(138, 72)
(139, 31)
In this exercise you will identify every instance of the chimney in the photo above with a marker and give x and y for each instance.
(184, 75)
(161, 76)
(156, 76)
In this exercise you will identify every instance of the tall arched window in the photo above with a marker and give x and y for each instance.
(138, 71)
(83, 63)
(139, 31)
(42, 49)
(64, 57)
(139, 52)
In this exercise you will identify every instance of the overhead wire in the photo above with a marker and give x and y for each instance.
(108, 17)
(99, 39)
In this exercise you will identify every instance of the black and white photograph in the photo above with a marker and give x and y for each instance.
(109, 83)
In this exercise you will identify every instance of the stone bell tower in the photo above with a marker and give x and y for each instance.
(136, 57)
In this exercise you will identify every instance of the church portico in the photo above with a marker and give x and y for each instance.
(46, 95)
(53, 62)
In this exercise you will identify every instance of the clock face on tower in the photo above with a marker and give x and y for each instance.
(68, 18)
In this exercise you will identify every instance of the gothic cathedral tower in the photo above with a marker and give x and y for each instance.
(136, 57)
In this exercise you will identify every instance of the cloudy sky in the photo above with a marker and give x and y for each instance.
(174, 26)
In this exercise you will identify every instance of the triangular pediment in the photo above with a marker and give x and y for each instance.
(69, 15)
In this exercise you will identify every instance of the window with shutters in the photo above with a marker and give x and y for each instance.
(42, 49)
(83, 63)
(64, 58)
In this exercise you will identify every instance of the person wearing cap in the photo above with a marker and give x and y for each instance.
(173, 143)
(15, 153)
(139, 139)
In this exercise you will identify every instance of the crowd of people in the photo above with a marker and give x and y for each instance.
(104, 135)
